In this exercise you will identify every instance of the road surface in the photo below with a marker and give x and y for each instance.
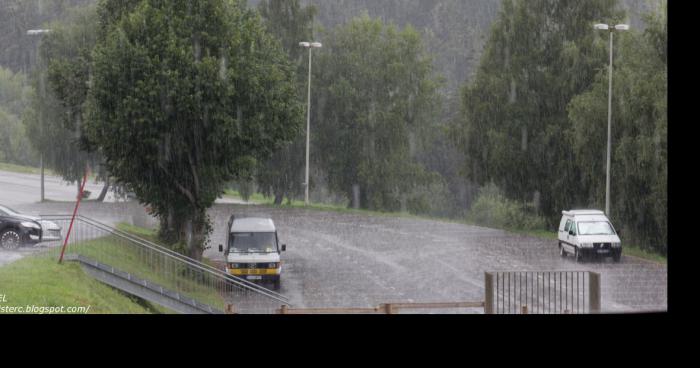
(350, 260)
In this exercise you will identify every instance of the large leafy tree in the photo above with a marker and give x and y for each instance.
(281, 175)
(375, 94)
(639, 157)
(514, 122)
(184, 97)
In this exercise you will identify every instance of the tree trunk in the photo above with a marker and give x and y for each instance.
(195, 235)
(103, 193)
(279, 197)
(356, 196)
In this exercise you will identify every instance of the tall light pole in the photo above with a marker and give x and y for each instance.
(611, 29)
(308, 45)
(38, 32)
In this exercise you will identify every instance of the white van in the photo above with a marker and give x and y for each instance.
(588, 233)
(252, 250)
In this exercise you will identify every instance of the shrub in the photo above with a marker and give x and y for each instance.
(493, 209)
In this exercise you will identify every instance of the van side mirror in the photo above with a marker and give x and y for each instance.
(571, 232)
(284, 247)
(221, 248)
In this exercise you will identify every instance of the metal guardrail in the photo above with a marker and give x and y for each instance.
(542, 292)
(147, 260)
(142, 288)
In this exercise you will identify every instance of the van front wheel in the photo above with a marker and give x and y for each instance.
(578, 255)
(616, 256)
(562, 252)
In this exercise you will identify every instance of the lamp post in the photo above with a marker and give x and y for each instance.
(308, 45)
(38, 32)
(611, 29)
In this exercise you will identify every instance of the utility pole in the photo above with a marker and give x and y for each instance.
(605, 27)
(308, 45)
(38, 32)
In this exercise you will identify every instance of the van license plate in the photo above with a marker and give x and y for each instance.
(600, 251)
(254, 277)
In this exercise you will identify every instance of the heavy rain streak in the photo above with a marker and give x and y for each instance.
(334, 156)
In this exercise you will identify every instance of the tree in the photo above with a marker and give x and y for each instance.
(514, 122)
(639, 168)
(55, 122)
(185, 96)
(376, 94)
(19, 50)
(281, 175)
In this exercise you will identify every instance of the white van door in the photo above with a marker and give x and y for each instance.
(563, 228)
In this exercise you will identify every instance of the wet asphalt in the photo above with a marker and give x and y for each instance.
(340, 259)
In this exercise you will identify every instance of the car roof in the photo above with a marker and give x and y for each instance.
(252, 225)
(583, 212)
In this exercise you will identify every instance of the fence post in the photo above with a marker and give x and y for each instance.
(488, 287)
(283, 309)
(388, 309)
(524, 309)
(594, 292)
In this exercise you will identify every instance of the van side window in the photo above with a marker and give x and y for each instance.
(568, 226)
(573, 227)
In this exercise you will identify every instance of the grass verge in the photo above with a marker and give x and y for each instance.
(23, 169)
(41, 282)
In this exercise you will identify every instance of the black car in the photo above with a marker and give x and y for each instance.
(17, 230)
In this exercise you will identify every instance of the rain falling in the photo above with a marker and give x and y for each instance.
(398, 156)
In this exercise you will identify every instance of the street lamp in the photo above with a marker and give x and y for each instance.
(308, 45)
(611, 29)
(39, 32)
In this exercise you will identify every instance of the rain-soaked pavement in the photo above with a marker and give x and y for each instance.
(338, 259)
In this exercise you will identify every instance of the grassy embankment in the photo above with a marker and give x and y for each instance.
(628, 250)
(40, 280)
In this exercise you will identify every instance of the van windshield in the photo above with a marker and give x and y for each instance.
(595, 228)
(253, 243)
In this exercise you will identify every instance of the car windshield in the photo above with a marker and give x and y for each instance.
(253, 243)
(595, 228)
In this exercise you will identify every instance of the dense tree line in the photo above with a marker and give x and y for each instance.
(282, 175)
(639, 170)
(534, 119)
(376, 96)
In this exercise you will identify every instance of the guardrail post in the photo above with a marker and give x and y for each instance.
(388, 308)
(594, 292)
(524, 309)
(283, 309)
(488, 287)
